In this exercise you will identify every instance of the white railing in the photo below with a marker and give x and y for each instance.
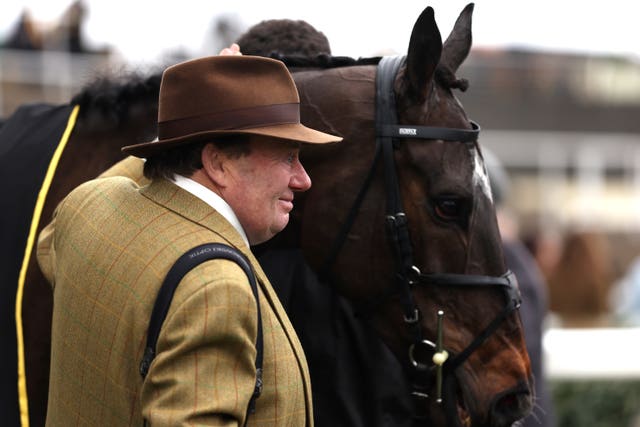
(592, 354)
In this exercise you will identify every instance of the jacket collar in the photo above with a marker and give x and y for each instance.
(185, 204)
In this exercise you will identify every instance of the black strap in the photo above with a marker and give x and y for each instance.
(182, 266)
(396, 220)
(430, 132)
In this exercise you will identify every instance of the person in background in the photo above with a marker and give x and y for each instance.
(224, 172)
(284, 37)
(534, 306)
(624, 299)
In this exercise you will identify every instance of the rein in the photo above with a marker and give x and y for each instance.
(407, 275)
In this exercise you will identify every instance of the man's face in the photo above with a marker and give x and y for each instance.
(262, 184)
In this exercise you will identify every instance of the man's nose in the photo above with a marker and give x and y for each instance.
(300, 181)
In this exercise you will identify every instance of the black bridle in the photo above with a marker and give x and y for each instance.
(407, 275)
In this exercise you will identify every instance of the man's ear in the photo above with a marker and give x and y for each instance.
(213, 164)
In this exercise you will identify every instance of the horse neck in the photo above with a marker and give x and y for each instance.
(338, 101)
(95, 145)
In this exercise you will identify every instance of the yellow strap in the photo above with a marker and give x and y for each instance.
(35, 220)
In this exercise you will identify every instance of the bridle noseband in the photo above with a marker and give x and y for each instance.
(407, 275)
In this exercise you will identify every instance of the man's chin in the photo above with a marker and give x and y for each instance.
(281, 224)
(275, 228)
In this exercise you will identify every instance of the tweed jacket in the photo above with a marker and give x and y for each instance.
(106, 254)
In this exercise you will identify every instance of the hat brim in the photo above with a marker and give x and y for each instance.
(295, 132)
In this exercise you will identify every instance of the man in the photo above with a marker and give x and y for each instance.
(224, 169)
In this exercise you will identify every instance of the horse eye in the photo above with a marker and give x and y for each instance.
(450, 208)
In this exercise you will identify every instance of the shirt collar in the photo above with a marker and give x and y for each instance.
(213, 200)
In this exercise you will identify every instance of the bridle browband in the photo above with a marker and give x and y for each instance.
(407, 275)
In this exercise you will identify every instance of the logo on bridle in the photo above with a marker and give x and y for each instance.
(407, 131)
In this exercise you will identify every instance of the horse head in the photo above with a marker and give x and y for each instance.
(407, 228)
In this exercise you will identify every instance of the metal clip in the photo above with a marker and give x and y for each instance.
(419, 394)
(416, 364)
(413, 319)
(413, 275)
(400, 218)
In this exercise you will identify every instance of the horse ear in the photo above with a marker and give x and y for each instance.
(425, 48)
(458, 44)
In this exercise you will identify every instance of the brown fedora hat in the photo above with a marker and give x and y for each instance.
(227, 95)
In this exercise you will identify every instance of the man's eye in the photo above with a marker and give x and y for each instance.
(291, 158)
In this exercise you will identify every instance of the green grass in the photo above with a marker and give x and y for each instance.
(596, 403)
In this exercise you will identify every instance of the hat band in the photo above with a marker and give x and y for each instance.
(246, 118)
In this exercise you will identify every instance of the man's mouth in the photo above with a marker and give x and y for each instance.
(287, 203)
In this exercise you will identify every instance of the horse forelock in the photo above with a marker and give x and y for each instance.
(114, 96)
(447, 78)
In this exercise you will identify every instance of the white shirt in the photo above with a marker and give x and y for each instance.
(213, 200)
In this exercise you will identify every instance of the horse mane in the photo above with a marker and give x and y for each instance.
(113, 96)
(443, 75)
(321, 60)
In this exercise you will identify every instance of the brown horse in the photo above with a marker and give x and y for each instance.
(450, 227)
(442, 252)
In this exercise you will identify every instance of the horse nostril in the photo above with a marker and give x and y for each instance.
(509, 401)
(510, 407)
